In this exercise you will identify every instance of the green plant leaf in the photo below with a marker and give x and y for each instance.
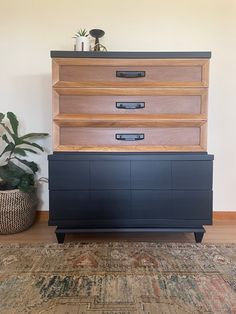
(7, 129)
(10, 184)
(17, 140)
(33, 144)
(33, 135)
(30, 164)
(2, 115)
(10, 147)
(3, 172)
(26, 183)
(20, 175)
(15, 169)
(13, 121)
(30, 150)
(14, 177)
(11, 175)
(82, 32)
(20, 151)
(4, 137)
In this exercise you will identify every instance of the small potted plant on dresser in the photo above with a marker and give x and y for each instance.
(82, 40)
(18, 198)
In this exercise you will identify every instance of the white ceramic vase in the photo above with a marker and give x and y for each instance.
(82, 43)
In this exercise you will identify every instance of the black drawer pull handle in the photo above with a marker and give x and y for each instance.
(130, 74)
(130, 105)
(130, 137)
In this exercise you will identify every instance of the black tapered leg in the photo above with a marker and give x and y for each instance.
(60, 237)
(198, 236)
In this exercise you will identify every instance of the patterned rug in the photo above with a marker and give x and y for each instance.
(118, 278)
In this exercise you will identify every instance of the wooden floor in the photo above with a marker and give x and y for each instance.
(222, 231)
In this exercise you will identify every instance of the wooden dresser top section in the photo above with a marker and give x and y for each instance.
(130, 101)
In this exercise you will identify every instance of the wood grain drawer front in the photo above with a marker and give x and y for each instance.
(86, 136)
(122, 72)
(155, 74)
(160, 104)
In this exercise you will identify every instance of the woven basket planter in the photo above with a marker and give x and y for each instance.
(17, 211)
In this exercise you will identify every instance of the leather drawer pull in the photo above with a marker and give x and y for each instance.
(130, 74)
(130, 137)
(130, 105)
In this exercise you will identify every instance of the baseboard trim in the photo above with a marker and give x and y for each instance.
(224, 215)
(219, 215)
(42, 215)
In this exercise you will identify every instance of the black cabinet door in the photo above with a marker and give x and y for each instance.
(192, 175)
(89, 205)
(194, 205)
(110, 175)
(69, 205)
(151, 204)
(110, 204)
(151, 175)
(68, 175)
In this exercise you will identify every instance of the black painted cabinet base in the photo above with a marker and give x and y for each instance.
(61, 232)
(130, 192)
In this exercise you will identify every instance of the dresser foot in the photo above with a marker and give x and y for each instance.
(199, 236)
(60, 236)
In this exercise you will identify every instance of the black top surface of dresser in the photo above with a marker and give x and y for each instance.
(131, 54)
(127, 156)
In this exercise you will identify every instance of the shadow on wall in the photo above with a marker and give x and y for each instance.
(31, 99)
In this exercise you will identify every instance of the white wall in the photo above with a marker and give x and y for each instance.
(30, 29)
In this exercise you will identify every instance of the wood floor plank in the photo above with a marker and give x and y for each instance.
(219, 232)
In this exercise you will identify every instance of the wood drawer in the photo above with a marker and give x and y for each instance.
(166, 94)
(175, 101)
(86, 137)
(71, 72)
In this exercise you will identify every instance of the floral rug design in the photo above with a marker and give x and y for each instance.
(118, 278)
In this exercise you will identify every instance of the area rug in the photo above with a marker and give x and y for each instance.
(117, 278)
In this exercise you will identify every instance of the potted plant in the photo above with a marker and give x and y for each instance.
(82, 40)
(17, 176)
